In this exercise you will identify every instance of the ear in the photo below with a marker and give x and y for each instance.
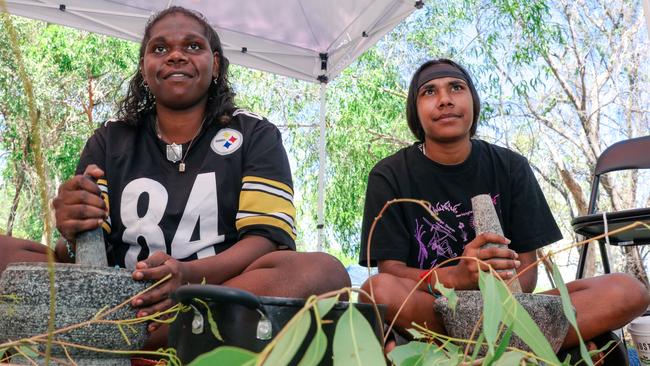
(215, 65)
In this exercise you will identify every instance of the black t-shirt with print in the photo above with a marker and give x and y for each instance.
(407, 233)
(237, 181)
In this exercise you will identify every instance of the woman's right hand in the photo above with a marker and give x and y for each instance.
(78, 204)
(465, 273)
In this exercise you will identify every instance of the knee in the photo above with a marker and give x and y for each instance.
(380, 286)
(320, 270)
(336, 274)
(20, 250)
(633, 292)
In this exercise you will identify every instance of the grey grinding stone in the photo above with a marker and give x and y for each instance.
(81, 292)
(123, 361)
(546, 311)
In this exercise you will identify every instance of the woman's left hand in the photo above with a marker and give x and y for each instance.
(154, 268)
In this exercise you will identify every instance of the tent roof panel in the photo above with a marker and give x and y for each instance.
(280, 36)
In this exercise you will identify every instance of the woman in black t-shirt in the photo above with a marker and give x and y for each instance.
(446, 168)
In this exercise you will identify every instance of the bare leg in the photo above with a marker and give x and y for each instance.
(604, 303)
(19, 250)
(283, 274)
(292, 274)
(392, 291)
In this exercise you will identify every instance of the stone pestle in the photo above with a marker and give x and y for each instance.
(487, 221)
(91, 250)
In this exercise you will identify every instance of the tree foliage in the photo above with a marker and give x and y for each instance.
(76, 78)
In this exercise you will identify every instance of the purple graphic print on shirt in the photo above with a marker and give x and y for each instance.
(439, 238)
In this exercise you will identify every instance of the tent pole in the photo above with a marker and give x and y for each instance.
(646, 11)
(322, 161)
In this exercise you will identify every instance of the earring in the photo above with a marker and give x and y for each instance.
(215, 81)
(148, 95)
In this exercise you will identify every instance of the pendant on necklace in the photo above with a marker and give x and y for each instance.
(181, 167)
(174, 152)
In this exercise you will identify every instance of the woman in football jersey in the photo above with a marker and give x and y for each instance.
(186, 184)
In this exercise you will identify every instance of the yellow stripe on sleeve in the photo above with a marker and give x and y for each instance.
(265, 203)
(265, 220)
(270, 182)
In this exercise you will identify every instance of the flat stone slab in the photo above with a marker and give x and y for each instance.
(81, 292)
(124, 361)
(546, 311)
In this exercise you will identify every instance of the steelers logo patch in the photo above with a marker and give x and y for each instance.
(227, 141)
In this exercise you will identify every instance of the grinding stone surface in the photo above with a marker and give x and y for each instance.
(79, 361)
(81, 292)
(546, 311)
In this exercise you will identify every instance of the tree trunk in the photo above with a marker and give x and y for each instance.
(91, 101)
(548, 266)
(634, 264)
(20, 180)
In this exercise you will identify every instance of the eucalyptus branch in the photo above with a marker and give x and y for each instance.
(551, 253)
(393, 140)
(168, 354)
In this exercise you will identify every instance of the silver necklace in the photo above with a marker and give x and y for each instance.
(173, 151)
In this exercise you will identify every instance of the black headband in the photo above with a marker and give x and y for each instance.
(437, 71)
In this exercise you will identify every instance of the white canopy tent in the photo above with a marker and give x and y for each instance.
(312, 40)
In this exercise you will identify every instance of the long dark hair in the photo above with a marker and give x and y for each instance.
(138, 102)
(411, 101)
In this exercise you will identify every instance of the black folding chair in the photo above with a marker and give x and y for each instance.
(626, 154)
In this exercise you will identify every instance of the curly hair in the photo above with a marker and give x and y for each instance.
(138, 102)
(411, 101)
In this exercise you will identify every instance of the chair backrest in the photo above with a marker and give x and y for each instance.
(627, 154)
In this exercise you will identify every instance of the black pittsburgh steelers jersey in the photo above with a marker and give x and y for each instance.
(237, 181)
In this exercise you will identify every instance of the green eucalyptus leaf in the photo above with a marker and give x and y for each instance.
(450, 347)
(505, 341)
(570, 314)
(432, 355)
(401, 353)
(524, 326)
(503, 344)
(449, 293)
(412, 361)
(452, 351)
(509, 359)
(325, 305)
(2, 352)
(29, 351)
(492, 308)
(420, 360)
(226, 355)
(355, 342)
(477, 348)
(316, 349)
(288, 344)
